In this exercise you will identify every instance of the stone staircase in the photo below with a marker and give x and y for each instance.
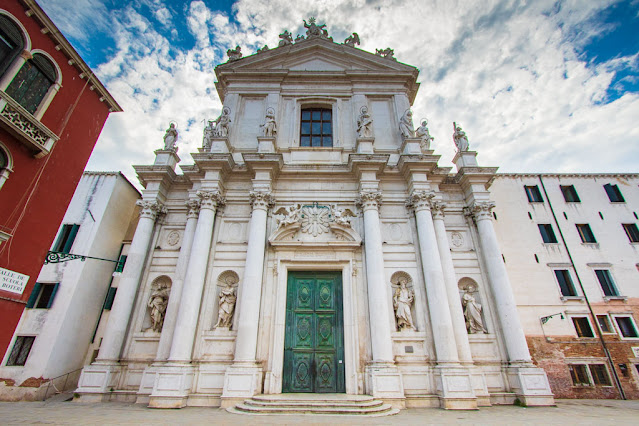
(315, 404)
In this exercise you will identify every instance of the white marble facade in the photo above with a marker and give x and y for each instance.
(373, 205)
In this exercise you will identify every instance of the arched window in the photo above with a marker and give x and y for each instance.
(6, 165)
(11, 42)
(32, 82)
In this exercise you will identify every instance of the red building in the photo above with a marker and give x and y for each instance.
(52, 110)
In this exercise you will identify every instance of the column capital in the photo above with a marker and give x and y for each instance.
(437, 209)
(420, 200)
(262, 200)
(193, 206)
(369, 200)
(151, 209)
(210, 199)
(480, 210)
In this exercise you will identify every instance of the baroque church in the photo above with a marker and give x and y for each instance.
(308, 251)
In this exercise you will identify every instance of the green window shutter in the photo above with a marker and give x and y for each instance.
(69, 242)
(34, 295)
(119, 267)
(108, 303)
(55, 290)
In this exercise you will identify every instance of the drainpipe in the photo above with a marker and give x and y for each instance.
(583, 291)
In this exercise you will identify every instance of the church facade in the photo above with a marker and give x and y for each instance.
(308, 250)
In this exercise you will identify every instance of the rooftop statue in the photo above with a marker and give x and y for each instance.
(286, 39)
(406, 125)
(299, 37)
(234, 54)
(352, 40)
(459, 136)
(314, 30)
(387, 53)
(264, 49)
(170, 137)
(423, 134)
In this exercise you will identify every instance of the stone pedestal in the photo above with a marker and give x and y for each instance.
(411, 146)
(384, 381)
(455, 388)
(242, 380)
(166, 157)
(530, 385)
(173, 383)
(364, 145)
(219, 146)
(266, 144)
(97, 381)
(465, 159)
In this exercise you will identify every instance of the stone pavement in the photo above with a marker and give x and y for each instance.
(582, 412)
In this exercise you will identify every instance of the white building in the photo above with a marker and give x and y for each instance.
(53, 335)
(300, 253)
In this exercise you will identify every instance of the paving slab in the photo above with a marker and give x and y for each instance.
(567, 412)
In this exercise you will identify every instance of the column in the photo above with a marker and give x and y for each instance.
(189, 311)
(170, 319)
(450, 280)
(118, 322)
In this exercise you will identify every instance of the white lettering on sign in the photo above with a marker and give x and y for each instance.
(12, 282)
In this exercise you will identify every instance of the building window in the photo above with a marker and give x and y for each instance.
(108, 302)
(589, 375)
(119, 267)
(547, 234)
(6, 163)
(582, 326)
(579, 374)
(66, 238)
(316, 127)
(11, 42)
(614, 194)
(32, 82)
(42, 295)
(570, 193)
(604, 324)
(626, 327)
(606, 282)
(20, 351)
(631, 231)
(585, 233)
(565, 283)
(599, 374)
(533, 194)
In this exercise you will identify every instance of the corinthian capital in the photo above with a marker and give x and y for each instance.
(420, 200)
(150, 209)
(194, 209)
(437, 209)
(210, 199)
(261, 200)
(481, 210)
(369, 200)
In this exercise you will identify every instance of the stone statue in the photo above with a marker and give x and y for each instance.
(459, 136)
(364, 124)
(387, 53)
(157, 304)
(270, 126)
(299, 37)
(209, 134)
(222, 123)
(342, 216)
(291, 215)
(472, 312)
(234, 54)
(227, 304)
(314, 30)
(170, 137)
(402, 301)
(263, 49)
(406, 125)
(286, 39)
(423, 134)
(352, 40)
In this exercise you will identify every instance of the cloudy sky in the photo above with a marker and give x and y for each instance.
(538, 85)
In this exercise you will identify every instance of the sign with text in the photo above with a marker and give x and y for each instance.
(12, 282)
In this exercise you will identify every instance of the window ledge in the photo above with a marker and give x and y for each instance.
(551, 244)
(609, 298)
(591, 245)
(575, 298)
(4, 236)
(24, 126)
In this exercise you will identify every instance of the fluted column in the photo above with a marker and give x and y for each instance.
(454, 302)
(189, 310)
(502, 291)
(251, 290)
(377, 292)
(123, 304)
(438, 305)
(170, 319)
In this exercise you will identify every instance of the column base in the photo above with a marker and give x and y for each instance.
(98, 381)
(172, 385)
(384, 381)
(455, 388)
(241, 381)
(479, 386)
(530, 385)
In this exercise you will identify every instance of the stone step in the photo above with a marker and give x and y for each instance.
(297, 403)
(382, 410)
(330, 397)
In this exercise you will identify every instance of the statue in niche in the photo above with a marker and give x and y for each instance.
(352, 40)
(364, 124)
(209, 133)
(472, 313)
(423, 134)
(227, 299)
(459, 136)
(387, 53)
(222, 123)
(234, 54)
(406, 125)
(270, 126)
(157, 304)
(286, 39)
(170, 137)
(402, 301)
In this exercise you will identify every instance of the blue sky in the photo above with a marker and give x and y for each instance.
(539, 86)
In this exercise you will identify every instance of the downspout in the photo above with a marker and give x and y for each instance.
(583, 291)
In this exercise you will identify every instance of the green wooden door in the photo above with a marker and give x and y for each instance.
(314, 342)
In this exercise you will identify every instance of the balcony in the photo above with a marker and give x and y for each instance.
(25, 127)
